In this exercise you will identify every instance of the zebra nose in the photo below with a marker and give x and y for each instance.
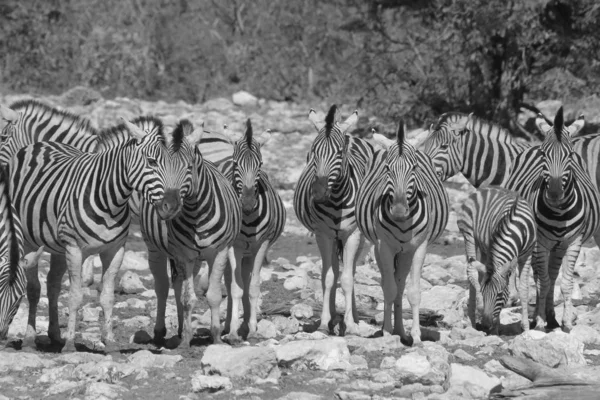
(320, 189)
(170, 204)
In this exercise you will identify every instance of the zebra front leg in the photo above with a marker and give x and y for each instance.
(157, 261)
(236, 292)
(385, 256)
(33, 297)
(540, 270)
(554, 264)
(352, 249)
(256, 264)
(217, 262)
(111, 263)
(414, 291)
(74, 258)
(402, 268)
(566, 284)
(328, 282)
(185, 267)
(58, 267)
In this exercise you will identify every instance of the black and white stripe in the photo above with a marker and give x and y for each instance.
(401, 207)
(324, 202)
(500, 226)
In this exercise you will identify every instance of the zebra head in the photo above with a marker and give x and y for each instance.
(247, 164)
(328, 153)
(557, 155)
(400, 165)
(161, 166)
(9, 119)
(445, 144)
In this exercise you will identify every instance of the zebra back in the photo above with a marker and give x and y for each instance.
(12, 273)
(401, 171)
(336, 164)
(38, 122)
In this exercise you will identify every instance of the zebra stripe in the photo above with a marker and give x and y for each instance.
(208, 224)
(553, 178)
(500, 226)
(75, 204)
(401, 207)
(324, 202)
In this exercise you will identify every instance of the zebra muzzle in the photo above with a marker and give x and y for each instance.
(170, 205)
(321, 190)
(248, 199)
(399, 211)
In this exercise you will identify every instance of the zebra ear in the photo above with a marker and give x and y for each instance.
(195, 137)
(458, 127)
(383, 141)
(543, 124)
(135, 131)
(312, 116)
(8, 114)
(264, 137)
(351, 120)
(576, 126)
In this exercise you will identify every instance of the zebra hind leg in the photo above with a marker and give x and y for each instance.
(415, 263)
(157, 261)
(33, 297)
(58, 267)
(74, 260)
(566, 284)
(554, 263)
(351, 250)
(235, 290)
(328, 281)
(111, 263)
(385, 262)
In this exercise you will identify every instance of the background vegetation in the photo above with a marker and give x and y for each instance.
(414, 58)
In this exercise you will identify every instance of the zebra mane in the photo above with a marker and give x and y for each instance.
(445, 117)
(13, 251)
(330, 120)
(81, 122)
(248, 133)
(119, 134)
(400, 137)
(182, 129)
(558, 124)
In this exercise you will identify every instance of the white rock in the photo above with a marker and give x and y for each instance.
(510, 380)
(136, 303)
(266, 329)
(137, 322)
(135, 261)
(20, 361)
(296, 282)
(586, 334)
(62, 387)
(441, 297)
(302, 310)
(326, 354)
(382, 344)
(245, 99)
(146, 359)
(412, 366)
(553, 350)
(91, 314)
(81, 358)
(259, 362)
(476, 382)
(101, 390)
(286, 325)
(210, 383)
(131, 283)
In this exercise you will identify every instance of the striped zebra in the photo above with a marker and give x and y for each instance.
(263, 214)
(324, 202)
(75, 204)
(566, 203)
(207, 226)
(401, 207)
(13, 264)
(500, 226)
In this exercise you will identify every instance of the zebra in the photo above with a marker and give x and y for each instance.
(263, 212)
(75, 204)
(401, 207)
(13, 264)
(207, 226)
(501, 227)
(324, 202)
(566, 203)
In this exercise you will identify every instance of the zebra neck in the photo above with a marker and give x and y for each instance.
(116, 166)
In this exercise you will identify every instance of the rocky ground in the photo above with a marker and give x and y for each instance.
(288, 360)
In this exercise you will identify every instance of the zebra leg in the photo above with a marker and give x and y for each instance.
(58, 267)
(111, 263)
(185, 267)
(352, 249)
(236, 291)
(540, 269)
(217, 262)
(566, 284)
(414, 290)
(385, 262)
(177, 280)
(157, 261)
(328, 281)
(556, 259)
(33, 297)
(254, 285)
(524, 271)
(74, 260)
(402, 268)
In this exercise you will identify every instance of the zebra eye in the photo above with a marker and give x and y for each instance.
(444, 146)
(152, 162)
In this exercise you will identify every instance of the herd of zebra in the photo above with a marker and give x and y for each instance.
(71, 190)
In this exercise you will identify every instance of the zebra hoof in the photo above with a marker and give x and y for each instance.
(29, 345)
(566, 329)
(407, 341)
(552, 323)
(69, 347)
